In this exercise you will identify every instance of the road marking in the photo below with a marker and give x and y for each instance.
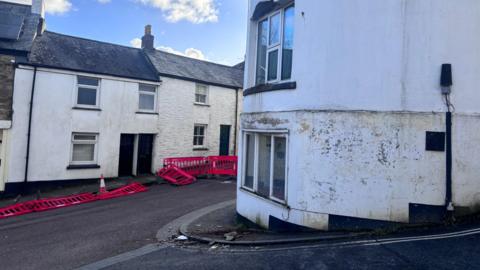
(123, 257)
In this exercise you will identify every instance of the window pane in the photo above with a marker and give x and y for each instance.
(249, 156)
(201, 89)
(279, 155)
(287, 43)
(264, 153)
(272, 65)
(87, 96)
(83, 152)
(147, 102)
(84, 137)
(87, 81)
(200, 98)
(261, 52)
(275, 29)
(147, 88)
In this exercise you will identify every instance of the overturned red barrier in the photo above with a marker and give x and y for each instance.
(122, 191)
(53, 203)
(16, 210)
(176, 176)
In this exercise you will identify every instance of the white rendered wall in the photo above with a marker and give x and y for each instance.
(368, 89)
(54, 120)
(384, 55)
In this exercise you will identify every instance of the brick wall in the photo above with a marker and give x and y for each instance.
(6, 86)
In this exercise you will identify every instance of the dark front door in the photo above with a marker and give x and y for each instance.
(224, 140)
(126, 155)
(144, 161)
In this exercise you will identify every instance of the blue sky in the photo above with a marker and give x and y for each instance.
(214, 28)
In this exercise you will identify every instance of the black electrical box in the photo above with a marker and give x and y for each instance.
(435, 141)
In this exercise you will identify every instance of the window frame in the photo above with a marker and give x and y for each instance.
(204, 145)
(97, 90)
(81, 142)
(207, 91)
(256, 138)
(154, 94)
(277, 46)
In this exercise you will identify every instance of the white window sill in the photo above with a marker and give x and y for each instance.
(267, 199)
(201, 104)
(147, 112)
(77, 107)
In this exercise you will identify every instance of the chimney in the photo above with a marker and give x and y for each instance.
(38, 7)
(147, 39)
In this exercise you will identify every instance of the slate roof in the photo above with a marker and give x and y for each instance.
(177, 66)
(78, 54)
(28, 30)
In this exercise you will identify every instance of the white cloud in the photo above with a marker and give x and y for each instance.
(136, 43)
(104, 1)
(190, 52)
(57, 6)
(195, 11)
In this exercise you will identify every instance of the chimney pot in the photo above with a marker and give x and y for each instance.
(148, 29)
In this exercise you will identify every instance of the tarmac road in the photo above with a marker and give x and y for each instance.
(70, 237)
(451, 252)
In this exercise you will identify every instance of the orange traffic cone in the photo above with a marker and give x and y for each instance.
(103, 188)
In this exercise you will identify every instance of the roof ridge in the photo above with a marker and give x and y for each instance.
(93, 40)
(12, 3)
(195, 59)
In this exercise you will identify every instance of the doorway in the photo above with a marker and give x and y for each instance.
(224, 140)
(127, 148)
(145, 150)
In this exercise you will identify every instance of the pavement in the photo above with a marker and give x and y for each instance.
(70, 237)
(220, 225)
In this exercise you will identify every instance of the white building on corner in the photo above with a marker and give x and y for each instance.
(344, 123)
(83, 108)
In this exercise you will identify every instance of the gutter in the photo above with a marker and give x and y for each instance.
(30, 124)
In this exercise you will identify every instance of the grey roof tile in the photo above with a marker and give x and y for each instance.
(177, 66)
(79, 54)
(29, 28)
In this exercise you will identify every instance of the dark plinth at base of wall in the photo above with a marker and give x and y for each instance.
(424, 213)
(418, 214)
(339, 223)
(14, 189)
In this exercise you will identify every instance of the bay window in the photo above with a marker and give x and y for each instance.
(275, 47)
(264, 169)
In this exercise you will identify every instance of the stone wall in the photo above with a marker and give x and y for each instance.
(6, 86)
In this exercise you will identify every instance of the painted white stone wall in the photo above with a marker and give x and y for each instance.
(368, 89)
(54, 120)
(179, 114)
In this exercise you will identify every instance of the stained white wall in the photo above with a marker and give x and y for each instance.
(382, 55)
(368, 89)
(54, 120)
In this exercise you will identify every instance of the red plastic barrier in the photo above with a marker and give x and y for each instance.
(194, 166)
(122, 191)
(16, 210)
(223, 165)
(176, 176)
(53, 203)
